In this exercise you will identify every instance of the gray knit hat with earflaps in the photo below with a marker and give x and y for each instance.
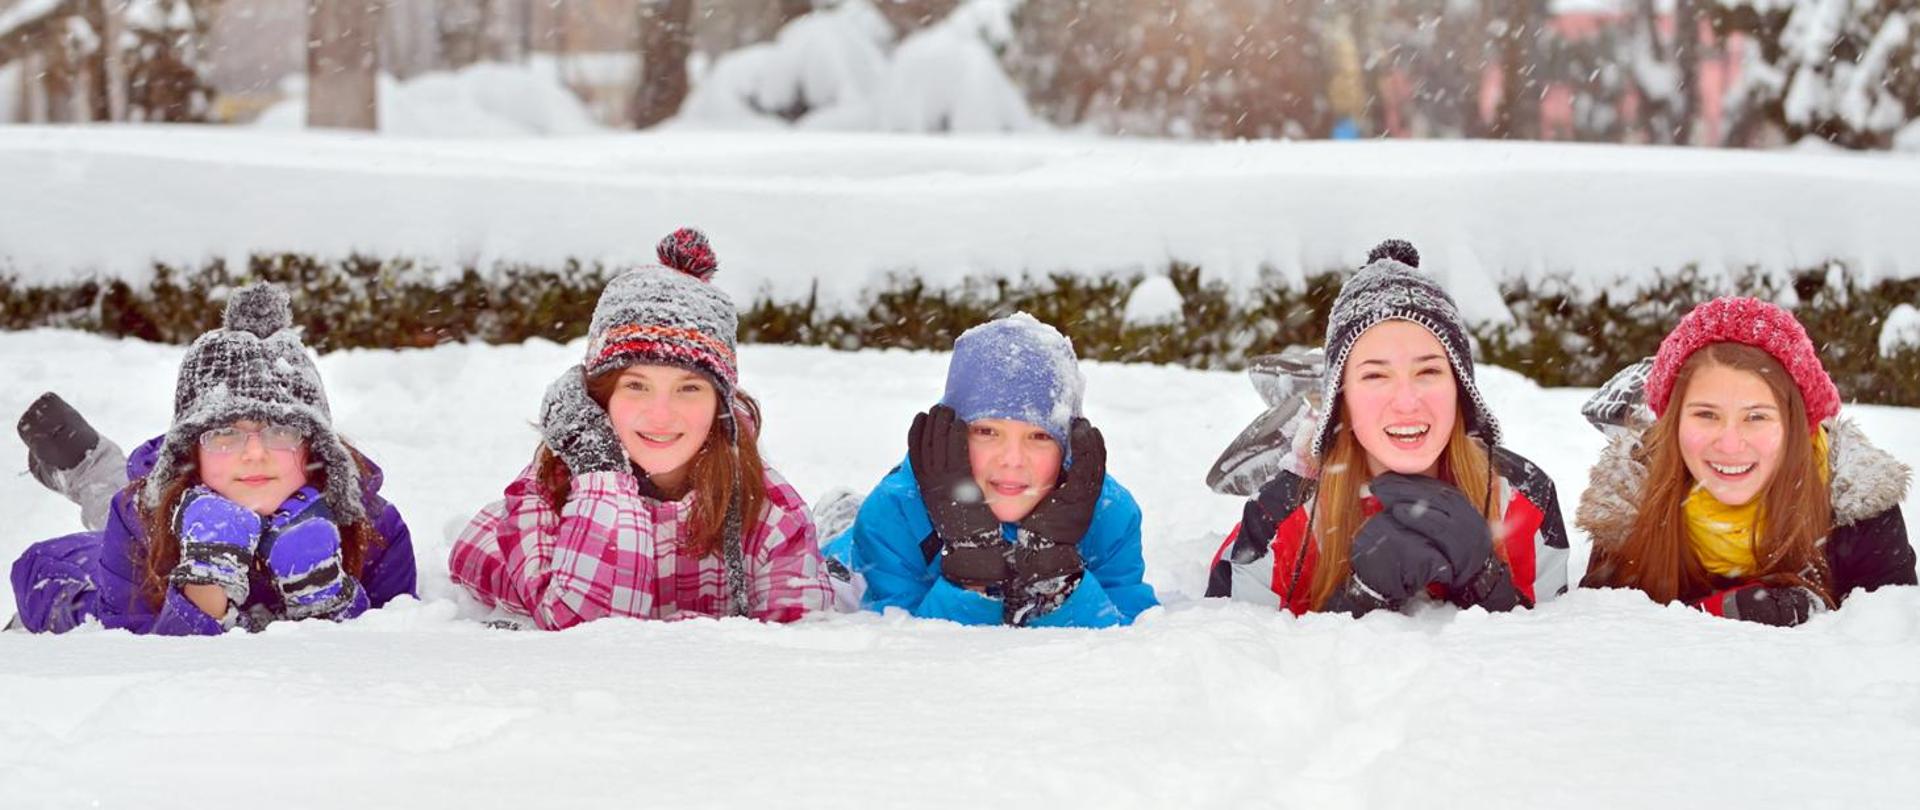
(254, 367)
(1390, 288)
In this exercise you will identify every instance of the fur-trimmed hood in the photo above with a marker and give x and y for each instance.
(1866, 481)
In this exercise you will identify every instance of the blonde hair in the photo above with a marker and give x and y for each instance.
(1337, 514)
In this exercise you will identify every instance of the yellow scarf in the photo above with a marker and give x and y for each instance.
(1723, 535)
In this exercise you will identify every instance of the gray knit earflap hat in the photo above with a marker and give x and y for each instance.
(1391, 288)
(255, 367)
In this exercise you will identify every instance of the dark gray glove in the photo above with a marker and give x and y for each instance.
(578, 429)
(1046, 557)
(1441, 513)
(1777, 605)
(1393, 562)
(972, 552)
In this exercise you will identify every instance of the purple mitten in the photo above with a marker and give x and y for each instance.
(303, 552)
(217, 542)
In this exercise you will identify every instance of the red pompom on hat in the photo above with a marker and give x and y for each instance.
(687, 251)
(1755, 323)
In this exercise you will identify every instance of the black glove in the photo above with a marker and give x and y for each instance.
(1046, 557)
(1777, 605)
(1393, 562)
(972, 552)
(1441, 513)
(578, 429)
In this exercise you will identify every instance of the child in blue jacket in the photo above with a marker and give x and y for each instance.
(249, 509)
(1002, 512)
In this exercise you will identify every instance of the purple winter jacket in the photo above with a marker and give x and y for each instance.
(113, 561)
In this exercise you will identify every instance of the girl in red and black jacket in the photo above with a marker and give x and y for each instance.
(1414, 498)
(1732, 484)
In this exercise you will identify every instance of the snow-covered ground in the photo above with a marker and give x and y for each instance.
(788, 210)
(1595, 700)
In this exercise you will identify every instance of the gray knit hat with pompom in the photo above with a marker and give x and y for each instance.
(1392, 288)
(254, 367)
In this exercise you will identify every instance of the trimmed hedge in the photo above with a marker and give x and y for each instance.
(1558, 337)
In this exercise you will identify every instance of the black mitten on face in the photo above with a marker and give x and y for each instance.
(972, 552)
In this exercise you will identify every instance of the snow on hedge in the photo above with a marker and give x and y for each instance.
(789, 210)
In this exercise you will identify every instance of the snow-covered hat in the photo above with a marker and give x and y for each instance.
(1391, 288)
(255, 367)
(1016, 368)
(669, 314)
(1756, 323)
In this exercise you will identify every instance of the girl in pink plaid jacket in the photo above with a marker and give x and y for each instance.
(648, 498)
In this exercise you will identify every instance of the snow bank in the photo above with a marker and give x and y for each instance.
(839, 69)
(483, 100)
(1596, 700)
(1900, 331)
(788, 210)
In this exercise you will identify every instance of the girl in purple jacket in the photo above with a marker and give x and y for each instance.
(250, 509)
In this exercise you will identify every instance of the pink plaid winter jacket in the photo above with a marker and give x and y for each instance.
(612, 552)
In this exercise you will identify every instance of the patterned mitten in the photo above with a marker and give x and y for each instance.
(217, 542)
(303, 552)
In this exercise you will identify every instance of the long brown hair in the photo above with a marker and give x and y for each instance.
(1336, 501)
(163, 543)
(1657, 555)
(716, 466)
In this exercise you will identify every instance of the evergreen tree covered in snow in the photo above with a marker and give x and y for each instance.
(166, 60)
(1844, 71)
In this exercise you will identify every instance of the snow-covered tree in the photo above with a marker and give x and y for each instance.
(165, 61)
(1843, 71)
(141, 60)
(846, 66)
(1206, 68)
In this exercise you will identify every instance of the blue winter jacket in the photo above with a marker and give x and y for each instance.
(892, 546)
(60, 582)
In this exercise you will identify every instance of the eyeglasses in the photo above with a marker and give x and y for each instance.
(229, 440)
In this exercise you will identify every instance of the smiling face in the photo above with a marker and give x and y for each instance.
(254, 475)
(1399, 398)
(1015, 463)
(1731, 433)
(662, 415)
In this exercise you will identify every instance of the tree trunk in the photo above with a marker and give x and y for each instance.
(666, 38)
(1686, 52)
(342, 59)
(1518, 113)
(791, 10)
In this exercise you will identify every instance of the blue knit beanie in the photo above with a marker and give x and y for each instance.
(1016, 368)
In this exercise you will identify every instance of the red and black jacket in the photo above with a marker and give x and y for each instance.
(1269, 557)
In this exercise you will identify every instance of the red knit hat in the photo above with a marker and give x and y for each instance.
(1755, 323)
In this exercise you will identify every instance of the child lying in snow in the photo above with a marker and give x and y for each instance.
(250, 509)
(648, 497)
(1413, 498)
(1003, 511)
(1732, 484)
